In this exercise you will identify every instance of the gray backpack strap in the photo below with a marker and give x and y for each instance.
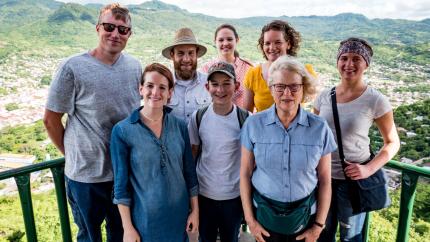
(199, 115)
(242, 115)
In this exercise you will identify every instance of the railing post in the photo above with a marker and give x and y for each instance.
(24, 190)
(407, 198)
(58, 175)
(366, 227)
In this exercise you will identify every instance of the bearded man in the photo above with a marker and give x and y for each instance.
(190, 93)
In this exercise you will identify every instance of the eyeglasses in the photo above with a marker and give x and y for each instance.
(281, 87)
(122, 30)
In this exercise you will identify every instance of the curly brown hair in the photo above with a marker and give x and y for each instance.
(290, 35)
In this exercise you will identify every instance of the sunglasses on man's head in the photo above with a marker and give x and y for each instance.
(123, 30)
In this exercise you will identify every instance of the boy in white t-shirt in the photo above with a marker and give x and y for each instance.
(215, 138)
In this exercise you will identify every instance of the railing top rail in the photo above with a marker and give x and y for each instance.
(421, 171)
(31, 168)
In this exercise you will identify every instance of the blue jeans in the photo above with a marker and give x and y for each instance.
(350, 226)
(224, 216)
(91, 203)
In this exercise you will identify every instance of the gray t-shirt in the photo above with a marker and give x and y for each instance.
(355, 118)
(218, 169)
(95, 97)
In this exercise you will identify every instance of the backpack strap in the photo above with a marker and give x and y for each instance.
(199, 115)
(242, 115)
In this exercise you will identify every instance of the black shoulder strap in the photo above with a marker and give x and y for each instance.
(337, 126)
(199, 115)
(242, 115)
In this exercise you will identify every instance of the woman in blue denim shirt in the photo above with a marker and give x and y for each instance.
(154, 172)
(285, 163)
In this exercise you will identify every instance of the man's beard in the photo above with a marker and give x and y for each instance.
(185, 74)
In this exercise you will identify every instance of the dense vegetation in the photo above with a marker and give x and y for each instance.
(383, 223)
(27, 139)
(12, 106)
(58, 25)
(413, 124)
(414, 118)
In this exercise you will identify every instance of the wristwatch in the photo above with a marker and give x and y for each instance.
(319, 225)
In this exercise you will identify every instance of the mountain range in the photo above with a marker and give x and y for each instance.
(41, 24)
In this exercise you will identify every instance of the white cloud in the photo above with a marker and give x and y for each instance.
(401, 9)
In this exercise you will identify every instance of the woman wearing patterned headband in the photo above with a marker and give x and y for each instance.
(278, 38)
(226, 40)
(359, 106)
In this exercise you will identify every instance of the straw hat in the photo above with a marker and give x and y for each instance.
(184, 36)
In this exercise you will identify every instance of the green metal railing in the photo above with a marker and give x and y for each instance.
(410, 175)
(22, 179)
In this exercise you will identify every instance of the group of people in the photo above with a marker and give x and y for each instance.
(210, 149)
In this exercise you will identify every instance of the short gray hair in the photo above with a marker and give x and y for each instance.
(292, 64)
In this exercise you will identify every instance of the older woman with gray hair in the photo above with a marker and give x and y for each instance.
(286, 152)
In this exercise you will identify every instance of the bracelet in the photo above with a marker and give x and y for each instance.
(319, 224)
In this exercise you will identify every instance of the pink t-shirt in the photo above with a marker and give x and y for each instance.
(240, 67)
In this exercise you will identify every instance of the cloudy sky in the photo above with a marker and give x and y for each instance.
(397, 9)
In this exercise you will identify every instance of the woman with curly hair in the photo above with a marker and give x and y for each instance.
(277, 38)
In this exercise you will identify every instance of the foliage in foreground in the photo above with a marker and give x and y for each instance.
(383, 224)
(27, 139)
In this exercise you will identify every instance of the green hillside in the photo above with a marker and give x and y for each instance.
(49, 24)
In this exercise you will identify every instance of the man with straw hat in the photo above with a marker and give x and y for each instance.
(190, 93)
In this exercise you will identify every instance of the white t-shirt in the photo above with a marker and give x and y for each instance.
(355, 119)
(218, 168)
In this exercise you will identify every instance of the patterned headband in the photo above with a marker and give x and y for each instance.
(353, 46)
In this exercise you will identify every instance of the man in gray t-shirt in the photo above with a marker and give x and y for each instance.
(96, 89)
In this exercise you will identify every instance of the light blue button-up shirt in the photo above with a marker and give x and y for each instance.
(286, 158)
(188, 96)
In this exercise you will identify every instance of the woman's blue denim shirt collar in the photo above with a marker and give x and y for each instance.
(135, 115)
(301, 118)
